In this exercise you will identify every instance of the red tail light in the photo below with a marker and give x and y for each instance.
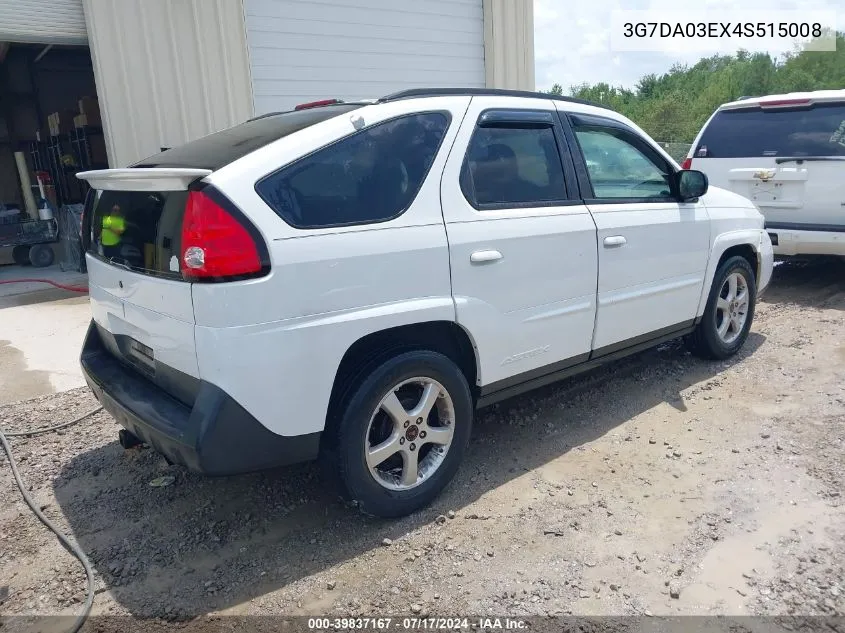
(216, 244)
(687, 164)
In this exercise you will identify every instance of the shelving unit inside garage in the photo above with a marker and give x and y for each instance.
(50, 129)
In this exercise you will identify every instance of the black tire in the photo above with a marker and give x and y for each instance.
(20, 255)
(41, 255)
(344, 458)
(705, 341)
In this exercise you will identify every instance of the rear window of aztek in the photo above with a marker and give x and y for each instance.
(817, 130)
(139, 230)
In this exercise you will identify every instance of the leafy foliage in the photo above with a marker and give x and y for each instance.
(672, 107)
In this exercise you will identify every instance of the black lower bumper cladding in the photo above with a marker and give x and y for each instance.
(214, 435)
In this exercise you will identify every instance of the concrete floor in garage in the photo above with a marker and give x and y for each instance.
(41, 332)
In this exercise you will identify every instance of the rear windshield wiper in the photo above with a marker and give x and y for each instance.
(814, 159)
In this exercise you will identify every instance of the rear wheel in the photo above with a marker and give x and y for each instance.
(20, 255)
(41, 255)
(729, 312)
(403, 434)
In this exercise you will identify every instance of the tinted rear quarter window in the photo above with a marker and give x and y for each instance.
(756, 132)
(370, 176)
(221, 148)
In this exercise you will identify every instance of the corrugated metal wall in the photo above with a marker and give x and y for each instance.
(509, 43)
(167, 71)
(42, 22)
(348, 49)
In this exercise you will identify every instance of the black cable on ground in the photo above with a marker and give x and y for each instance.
(69, 545)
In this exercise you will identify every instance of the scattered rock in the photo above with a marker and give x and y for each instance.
(440, 520)
(451, 514)
(387, 542)
(415, 608)
(674, 590)
(331, 585)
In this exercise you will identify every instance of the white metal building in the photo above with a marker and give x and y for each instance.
(168, 71)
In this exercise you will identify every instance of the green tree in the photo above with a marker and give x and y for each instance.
(673, 106)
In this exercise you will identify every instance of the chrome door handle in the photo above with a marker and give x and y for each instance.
(481, 257)
(615, 241)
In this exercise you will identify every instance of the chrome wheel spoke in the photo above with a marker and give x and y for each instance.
(723, 305)
(731, 288)
(392, 407)
(410, 467)
(438, 435)
(723, 328)
(427, 401)
(377, 454)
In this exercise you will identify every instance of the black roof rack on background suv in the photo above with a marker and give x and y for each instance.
(414, 93)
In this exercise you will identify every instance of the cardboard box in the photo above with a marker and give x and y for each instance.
(60, 122)
(90, 107)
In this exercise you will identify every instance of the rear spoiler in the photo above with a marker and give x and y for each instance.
(143, 179)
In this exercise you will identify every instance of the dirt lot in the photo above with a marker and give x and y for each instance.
(663, 485)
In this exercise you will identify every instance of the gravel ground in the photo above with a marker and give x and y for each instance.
(662, 485)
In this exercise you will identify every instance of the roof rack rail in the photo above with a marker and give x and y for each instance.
(327, 103)
(414, 93)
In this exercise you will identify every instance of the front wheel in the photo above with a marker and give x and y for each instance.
(403, 434)
(729, 312)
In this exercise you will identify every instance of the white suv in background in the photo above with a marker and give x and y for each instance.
(786, 153)
(352, 280)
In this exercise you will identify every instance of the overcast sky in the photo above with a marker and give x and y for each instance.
(573, 39)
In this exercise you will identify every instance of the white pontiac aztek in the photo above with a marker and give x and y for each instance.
(350, 281)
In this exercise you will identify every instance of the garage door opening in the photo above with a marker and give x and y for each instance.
(50, 129)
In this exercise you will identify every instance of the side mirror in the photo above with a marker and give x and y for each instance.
(691, 184)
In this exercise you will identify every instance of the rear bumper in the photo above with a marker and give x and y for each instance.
(794, 240)
(214, 435)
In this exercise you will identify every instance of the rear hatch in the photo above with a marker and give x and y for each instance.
(786, 155)
(140, 301)
(154, 230)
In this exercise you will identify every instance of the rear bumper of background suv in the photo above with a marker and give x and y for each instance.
(214, 436)
(806, 239)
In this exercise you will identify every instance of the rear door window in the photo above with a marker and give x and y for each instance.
(817, 131)
(140, 230)
(368, 177)
(513, 166)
